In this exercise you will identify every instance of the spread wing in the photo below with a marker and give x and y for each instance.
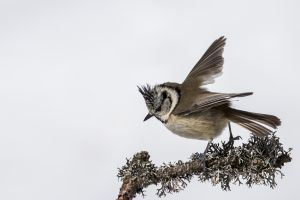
(209, 66)
(212, 101)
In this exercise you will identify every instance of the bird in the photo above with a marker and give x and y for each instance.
(191, 111)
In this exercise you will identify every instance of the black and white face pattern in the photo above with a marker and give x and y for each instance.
(160, 100)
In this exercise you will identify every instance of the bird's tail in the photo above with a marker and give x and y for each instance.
(253, 121)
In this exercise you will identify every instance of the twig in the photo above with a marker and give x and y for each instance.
(256, 162)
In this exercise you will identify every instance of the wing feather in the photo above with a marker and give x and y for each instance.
(209, 66)
(212, 101)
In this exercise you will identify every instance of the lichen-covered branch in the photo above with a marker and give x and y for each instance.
(257, 162)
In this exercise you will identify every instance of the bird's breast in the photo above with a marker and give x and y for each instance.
(206, 126)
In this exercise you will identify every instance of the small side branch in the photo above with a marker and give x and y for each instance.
(255, 162)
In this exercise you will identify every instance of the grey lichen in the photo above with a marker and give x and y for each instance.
(257, 162)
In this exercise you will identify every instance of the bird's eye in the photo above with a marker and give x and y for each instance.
(158, 109)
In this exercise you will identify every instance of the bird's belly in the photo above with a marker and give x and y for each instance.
(204, 127)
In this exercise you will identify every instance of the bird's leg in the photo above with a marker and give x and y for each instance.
(206, 149)
(203, 155)
(231, 138)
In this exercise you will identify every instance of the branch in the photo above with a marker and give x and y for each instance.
(256, 162)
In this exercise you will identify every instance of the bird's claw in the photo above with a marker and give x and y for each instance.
(230, 143)
(235, 138)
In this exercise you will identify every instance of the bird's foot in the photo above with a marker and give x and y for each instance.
(230, 143)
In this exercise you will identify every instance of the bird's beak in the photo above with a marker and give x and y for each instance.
(148, 116)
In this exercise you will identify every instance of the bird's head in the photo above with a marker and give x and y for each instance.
(160, 100)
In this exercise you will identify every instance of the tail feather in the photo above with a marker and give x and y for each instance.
(268, 120)
(253, 121)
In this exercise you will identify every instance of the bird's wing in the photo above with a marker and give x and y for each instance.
(211, 101)
(209, 66)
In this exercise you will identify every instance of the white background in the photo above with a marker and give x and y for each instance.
(70, 112)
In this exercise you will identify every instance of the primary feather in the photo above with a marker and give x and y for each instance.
(209, 66)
